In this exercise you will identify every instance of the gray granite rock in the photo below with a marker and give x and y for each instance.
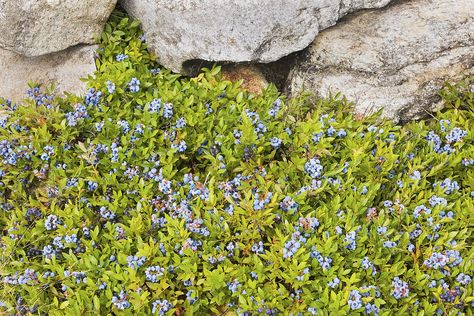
(235, 30)
(395, 59)
(37, 27)
(64, 69)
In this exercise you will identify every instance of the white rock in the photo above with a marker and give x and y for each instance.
(64, 69)
(236, 30)
(37, 27)
(395, 59)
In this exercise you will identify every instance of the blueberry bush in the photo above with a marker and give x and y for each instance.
(159, 194)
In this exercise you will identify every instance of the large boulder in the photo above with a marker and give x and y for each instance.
(395, 59)
(64, 69)
(37, 27)
(235, 30)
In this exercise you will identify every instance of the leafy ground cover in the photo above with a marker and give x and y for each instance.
(157, 194)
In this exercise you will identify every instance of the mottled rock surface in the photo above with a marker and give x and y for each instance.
(236, 30)
(395, 59)
(252, 77)
(64, 68)
(37, 27)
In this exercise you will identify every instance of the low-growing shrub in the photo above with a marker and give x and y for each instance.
(157, 194)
